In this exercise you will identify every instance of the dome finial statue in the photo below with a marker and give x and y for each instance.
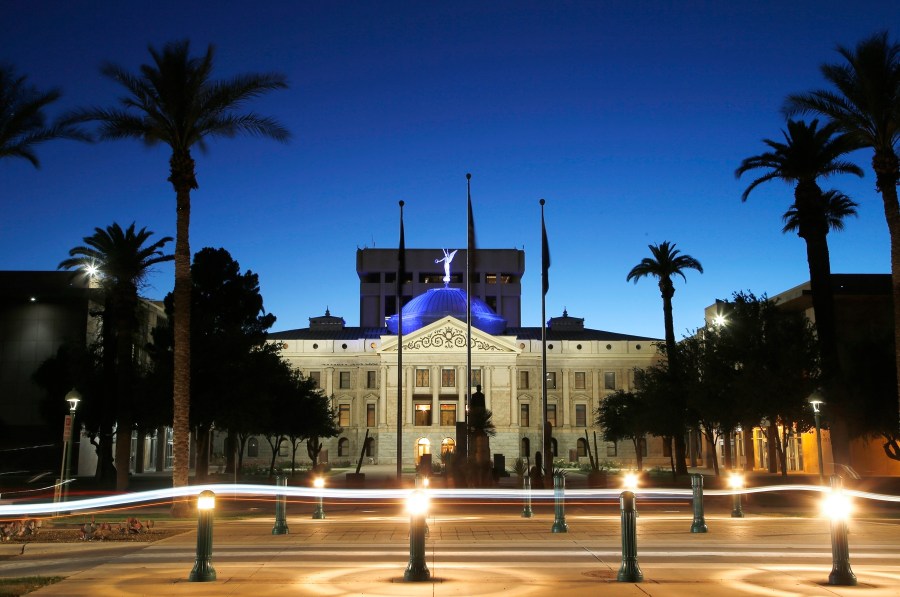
(448, 257)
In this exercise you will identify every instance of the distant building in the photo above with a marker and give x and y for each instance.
(357, 366)
(863, 311)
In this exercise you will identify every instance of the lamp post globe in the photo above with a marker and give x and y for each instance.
(816, 401)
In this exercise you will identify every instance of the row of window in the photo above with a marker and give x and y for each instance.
(423, 414)
(448, 379)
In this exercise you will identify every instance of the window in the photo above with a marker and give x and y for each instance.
(476, 377)
(525, 415)
(554, 447)
(581, 415)
(551, 415)
(667, 447)
(523, 380)
(423, 413)
(448, 414)
(448, 446)
(253, 448)
(579, 380)
(581, 448)
(526, 447)
(344, 380)
(643, 442)
(611, 449)
(491, 302)
(370, 415)
(448, 378)
(344, 415)
(609, 380)
(422, 379)
(371, 379)
(343, 447)
(490, 278)
(283, 448)
(551, 380)
(316, 376)
(369, 443)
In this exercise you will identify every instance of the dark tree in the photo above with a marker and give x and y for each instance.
(175, 101)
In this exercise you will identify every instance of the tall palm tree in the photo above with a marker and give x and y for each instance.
(666, 262)
(23, 123)
(175, 101)
(120, 261)
(864, 102)
(807, 154)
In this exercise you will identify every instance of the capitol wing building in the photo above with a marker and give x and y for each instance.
(357, 366)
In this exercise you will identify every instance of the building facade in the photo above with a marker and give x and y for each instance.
(357, 367)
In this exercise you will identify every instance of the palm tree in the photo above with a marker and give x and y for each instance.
(175, 101)
(120, 261)
(667, 261)
(807, 154)
(864, 103)
(23, 124)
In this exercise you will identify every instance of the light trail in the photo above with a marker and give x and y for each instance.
(255, 490)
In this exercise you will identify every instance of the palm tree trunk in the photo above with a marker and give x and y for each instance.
(887, 173)
(183, 180)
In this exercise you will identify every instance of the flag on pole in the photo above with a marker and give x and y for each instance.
(401, 261)
(470, 248)
(545, 253)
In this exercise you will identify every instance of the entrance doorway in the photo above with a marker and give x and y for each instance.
(423, 446)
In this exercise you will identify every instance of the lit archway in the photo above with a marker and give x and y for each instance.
(448, 445)
(423, 446)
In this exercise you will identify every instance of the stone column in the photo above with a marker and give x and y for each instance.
(382, 400)
(486, 383)
(435, 395)
(409, 392)
(329, 381)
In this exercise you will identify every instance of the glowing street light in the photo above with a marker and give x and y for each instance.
(736, 482)
(417, 506)
(203, 570)
(319, 512)
(73, 398)
(816, 401)
(837, 507)
(630, 481)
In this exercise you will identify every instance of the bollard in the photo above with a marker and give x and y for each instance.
(737, 482)
(559, 504)
(281, 527)
(203, 570)
(838, 507)
(526, 511)
(417, 506)
(319, 512)
(699, 524)
(630, 571)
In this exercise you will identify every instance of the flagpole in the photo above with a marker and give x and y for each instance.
(401, 273)
(470, 248)
(545, 265)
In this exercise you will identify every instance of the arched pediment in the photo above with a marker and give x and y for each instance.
(448, 335)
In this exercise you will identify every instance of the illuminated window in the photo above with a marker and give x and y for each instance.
(448, 414)
(476, 377)
(345, 380)
(525, 415)
(448, 378)
(422, 378)
(370, 415)
(523, 380)
(551, 415)
(490, 278)
(344, 415)
(423, 413)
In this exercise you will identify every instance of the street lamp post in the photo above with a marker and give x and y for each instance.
(73, 398)
(816, 401)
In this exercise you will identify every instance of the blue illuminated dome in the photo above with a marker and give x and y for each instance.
(438, 303)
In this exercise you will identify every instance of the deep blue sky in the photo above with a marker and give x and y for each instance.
(628, 117)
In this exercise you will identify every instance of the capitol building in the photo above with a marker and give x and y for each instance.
(357, 366)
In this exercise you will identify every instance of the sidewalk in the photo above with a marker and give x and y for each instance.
(366, 553)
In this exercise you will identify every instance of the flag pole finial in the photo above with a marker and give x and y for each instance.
(542, 202)
(468, 176)
(402, 203)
